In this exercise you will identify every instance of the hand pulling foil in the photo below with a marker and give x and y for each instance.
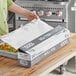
(36, 41)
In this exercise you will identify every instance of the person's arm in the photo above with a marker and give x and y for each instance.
(19, 10)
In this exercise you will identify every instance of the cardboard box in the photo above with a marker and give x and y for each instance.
(43, 46)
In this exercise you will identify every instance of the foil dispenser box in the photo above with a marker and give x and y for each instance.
(36, 41)
(43, 46)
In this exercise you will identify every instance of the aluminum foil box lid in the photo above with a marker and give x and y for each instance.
(26, 33)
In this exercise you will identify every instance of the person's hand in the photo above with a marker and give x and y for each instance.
(22, 11)
(30, 16)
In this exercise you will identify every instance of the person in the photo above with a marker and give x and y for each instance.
(11, 6)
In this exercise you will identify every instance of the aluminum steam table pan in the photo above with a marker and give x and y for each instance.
(8, 54)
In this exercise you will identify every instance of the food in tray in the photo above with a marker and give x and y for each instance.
(8, 48)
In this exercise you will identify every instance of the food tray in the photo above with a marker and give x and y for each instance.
(9, 54)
